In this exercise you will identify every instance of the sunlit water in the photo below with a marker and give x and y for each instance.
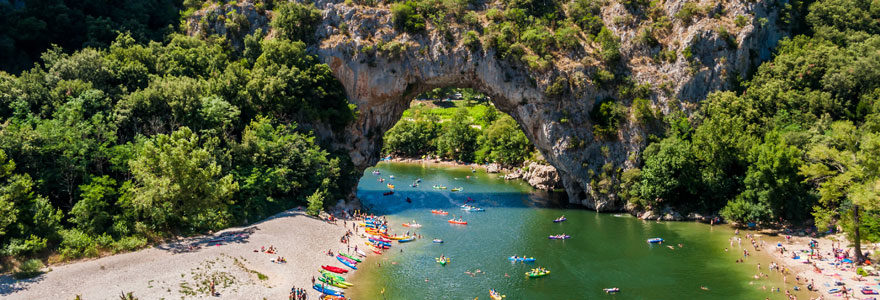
(605, 250)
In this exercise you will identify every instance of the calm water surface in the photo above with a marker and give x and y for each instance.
(605, 250)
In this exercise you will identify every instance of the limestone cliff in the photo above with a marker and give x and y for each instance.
(551, 97)
(708, 54)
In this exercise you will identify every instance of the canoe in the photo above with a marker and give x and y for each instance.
(439, 212)
(352, 257)
(346, 259)
(346, 263)
(336, 277)
(457, 222)
(559, 237)
(442, 262)
(527, 259)
(495, 295)
(536, 274)
(655, 240)
(410, 239)
(332, 283)
(559, 220)
(327, 290)
(438, 241)
(334, 269)
(611, 290)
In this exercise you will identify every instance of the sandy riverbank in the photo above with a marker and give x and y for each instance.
(173, 271)
(828, 274)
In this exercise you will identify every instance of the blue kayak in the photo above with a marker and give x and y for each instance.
(346, 263)
(327, 290)
(526, 259)
(655, 240)
(375, 241)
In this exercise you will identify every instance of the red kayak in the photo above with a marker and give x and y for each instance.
(334, 269)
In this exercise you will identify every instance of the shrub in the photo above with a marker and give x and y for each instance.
(603, 77)
(741, 21)
(471, 39)
(406, 18)
(557, 87)
(76, 244)
(606, 117)
(22, 248)
(471, 18)
(536, 63)
(316, 202)
(567, 37)
(129, 243)
(727, 37)
(646, 37)
(687, 12)
(610, 45)
(29, 269)
(296, 21)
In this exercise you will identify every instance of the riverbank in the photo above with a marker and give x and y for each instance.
(825, 273)
(232, 258)
(538, 175)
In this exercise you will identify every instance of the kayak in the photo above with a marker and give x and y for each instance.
(441, 261)
(346, 263)
(379, 242)
(457, 222)
(415, 225)
(394, 237)
(472, 208)
(438, 241)
(376, 250)
(439, 212)
(377, 245)
(611, 290)
(330, 297)
(390, 186)
(439, 187)
(327, 290)
(346, 259)
(361, 253)
(335, 277)
(655, 240)
(559, 237)
(332, 283)
(379, 238)
(334, 269)
(410, 239)
(560, 220)
(352, 257)
(389, 193)
(534, 274)
(528, 259)
(495, 295)
(458, 189)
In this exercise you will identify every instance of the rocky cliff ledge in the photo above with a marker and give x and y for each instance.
(669, 56)
(383, 69)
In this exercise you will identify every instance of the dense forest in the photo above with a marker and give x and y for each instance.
(118, 130)
(799, 142)
(108, 148)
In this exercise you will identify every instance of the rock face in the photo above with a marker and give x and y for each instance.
(383, 69)
(542, 177)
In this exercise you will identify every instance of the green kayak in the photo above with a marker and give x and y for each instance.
(333, 283)
(534, 274)
(442, 261)
(334, 277)
(352, 257)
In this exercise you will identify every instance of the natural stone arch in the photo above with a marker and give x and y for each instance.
(382, 70)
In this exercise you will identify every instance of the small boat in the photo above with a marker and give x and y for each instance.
(376, 172)
(327, 290)
(335, 277)
(390, 186)
(332, 282)
(560, 220)
(438, 241)
(346, 258)
(391, 176)
(351, 257)
(408, 200)
(439, 212)
(495, 295)
(418, 180)
(472, 208)
(559, 237)
(655, 240)
(458, 189)
(414, 185)
(380, 243)
(525, 259)
(868, 291)
(537, 273)
(439, 187)
(409, 239)
(361, 253)
(388, 193)
(346, 263)
(611, 290)
(331, 297)
(453, 221)
(414, 225)
(443, 261)
(334, 269)
(377, 245)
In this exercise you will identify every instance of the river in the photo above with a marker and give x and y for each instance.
(606, 250)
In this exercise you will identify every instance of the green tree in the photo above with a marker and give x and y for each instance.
(670, 175)
(178, 183)
(458, 139)
(296, 21)
(503, 142)
(92, 214)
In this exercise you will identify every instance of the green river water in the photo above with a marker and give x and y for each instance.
(606, 250)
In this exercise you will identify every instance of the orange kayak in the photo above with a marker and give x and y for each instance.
(439, 212)
(458, 222)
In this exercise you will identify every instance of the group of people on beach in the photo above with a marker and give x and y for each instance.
(298, 294)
